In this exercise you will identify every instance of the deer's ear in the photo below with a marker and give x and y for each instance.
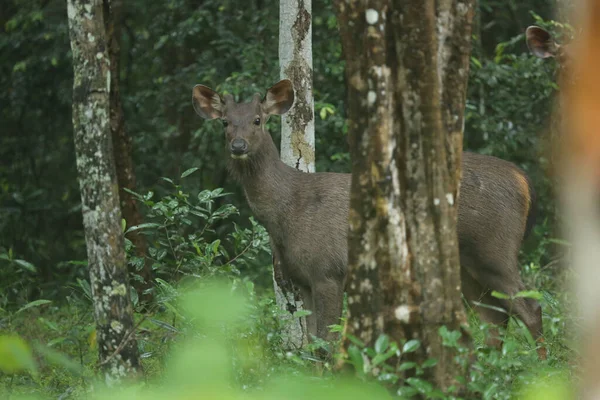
(540, 42)
(207, 103)
(279, 98)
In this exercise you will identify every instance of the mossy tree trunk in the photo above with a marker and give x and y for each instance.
(123, 151)
(406, 69)
(297, 131)
(99, 190)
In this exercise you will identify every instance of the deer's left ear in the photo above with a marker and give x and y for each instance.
(207, 103)
(540, 42)
(279, 98)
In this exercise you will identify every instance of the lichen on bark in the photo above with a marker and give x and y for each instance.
(406, 68)
(297, 135)
(99, 191)
(295, 57)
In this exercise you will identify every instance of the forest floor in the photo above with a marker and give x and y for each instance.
(247, 360)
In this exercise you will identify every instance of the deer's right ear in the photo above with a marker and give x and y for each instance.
(279, 98)
(540, 42)
(207, 103)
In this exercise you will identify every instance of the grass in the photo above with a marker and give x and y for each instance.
(249, 352)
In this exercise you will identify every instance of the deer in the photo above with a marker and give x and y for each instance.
(542, 45)
(306, 216)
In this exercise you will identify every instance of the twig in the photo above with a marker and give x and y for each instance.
(243, 251)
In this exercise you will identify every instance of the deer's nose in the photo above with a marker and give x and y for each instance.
(239, 146)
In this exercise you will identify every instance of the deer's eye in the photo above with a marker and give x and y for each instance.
(257, 121)
(225, 123)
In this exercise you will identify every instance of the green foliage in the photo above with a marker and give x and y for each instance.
(15, 355)
(508, 107)
(188, 238)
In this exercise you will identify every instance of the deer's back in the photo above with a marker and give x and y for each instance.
(494, 206)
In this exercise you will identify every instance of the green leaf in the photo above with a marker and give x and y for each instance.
(302, 313)
(189, 172)
(499, 309)
(406, 392)
(530, 294)
(123, 224)
(133, 294)
(499, 295)
(429, 363)
(422, 386)
(382, 343)
(355, 340)
(16, 355)
(356, 359)
(215, 246)
(164, 325)
(407, 365)
(55, 341)
(134, 194)
(410, 346)
(382, 357)
(85, 286)
(449, 338)
(323, 113)
(144, 226)
(20, 66)
(34, 303)
(27, 265)
(49, 324)
(491, 391)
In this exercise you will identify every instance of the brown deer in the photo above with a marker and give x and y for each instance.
(306, 215)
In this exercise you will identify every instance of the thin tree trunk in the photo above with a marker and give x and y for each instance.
(99, 191)
(406, 70)
(295, 59)
(122, 148)
(297, 131)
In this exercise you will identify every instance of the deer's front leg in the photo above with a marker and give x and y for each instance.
(328, 298)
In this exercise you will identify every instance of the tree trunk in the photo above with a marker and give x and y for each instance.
(295, 60)
(580, 189)
(297, 131)
(122, 149)
(406, 69)
(99, 191)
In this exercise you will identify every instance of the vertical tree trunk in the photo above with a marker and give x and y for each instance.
(297, 130)
(581, 185)
(295, 60)
(406, 70)
(122, 147)
(99, 191)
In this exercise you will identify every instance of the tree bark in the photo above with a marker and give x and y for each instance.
(99, 191)
(295, 60)
(297, 132)
(406, 69)
(122, 149)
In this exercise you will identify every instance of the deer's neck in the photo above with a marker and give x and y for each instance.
(267, 183)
